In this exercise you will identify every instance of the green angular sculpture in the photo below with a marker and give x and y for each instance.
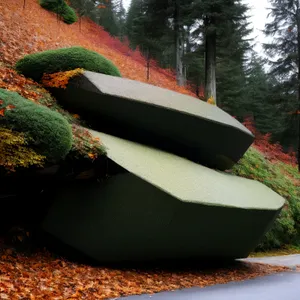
(156, 205)
(176, 123)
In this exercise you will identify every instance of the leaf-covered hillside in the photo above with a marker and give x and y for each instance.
(34, 29)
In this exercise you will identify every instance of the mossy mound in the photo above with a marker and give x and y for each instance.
(283, 179)
(64, 59)
(50, 133)
(61, 8)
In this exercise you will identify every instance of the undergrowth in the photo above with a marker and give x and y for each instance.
(268, 164)
(49, 131)
(15, 153)
(84, 144)
(285, 250)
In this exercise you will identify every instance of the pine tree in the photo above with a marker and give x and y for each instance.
(183, 29)
(223, 26)
(285, 48)
(146, 29)
(158, 28)
(136, 23)
(232, 49)
(86, 8)
(194, 64)
(286, 116)
(106, 17)
(260, 99)
(120, 14)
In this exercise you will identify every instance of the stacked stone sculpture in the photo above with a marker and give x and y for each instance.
(166, 195)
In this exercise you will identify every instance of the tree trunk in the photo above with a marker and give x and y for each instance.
(148, 64)
(210, 64)
(58, 11)
(187, 39)
(178, 46)
(197, 89)
(298, 115)
(186, 49)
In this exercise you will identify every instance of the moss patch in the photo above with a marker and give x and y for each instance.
(64, 59)
(50, 133)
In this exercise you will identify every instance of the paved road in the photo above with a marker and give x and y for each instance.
(273, 287)
(283, 286)
(287, 260)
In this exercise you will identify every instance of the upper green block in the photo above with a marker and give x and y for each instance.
(177, 123)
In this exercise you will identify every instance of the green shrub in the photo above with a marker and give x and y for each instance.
(281, 178)
(64, 59)
(50, 133)
(61, 8)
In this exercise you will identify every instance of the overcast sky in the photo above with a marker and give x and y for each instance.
(259, 16)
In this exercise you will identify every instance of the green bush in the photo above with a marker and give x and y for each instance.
(61, 8)
(279, 177)
(64, 59)
(50, 133)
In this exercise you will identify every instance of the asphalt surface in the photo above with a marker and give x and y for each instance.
(282, 286)
(287, 260)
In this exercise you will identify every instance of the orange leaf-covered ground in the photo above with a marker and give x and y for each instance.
(42, 276)
(35, 29)
(10, 80)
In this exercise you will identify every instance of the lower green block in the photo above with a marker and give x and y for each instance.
(161, 206)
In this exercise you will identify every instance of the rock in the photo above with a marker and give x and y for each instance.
(160, 206)
(177, 123)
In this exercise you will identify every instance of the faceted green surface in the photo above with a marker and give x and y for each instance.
(186, 180)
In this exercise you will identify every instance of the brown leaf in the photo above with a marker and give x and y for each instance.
(10, 107)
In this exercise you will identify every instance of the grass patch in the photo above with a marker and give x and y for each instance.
(286, 250)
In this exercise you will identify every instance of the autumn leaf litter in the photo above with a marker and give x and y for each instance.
(43, 276)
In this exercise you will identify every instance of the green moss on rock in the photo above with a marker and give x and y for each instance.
(50, 132)
(64, 59)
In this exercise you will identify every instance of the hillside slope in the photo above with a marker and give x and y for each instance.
(34, 29)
